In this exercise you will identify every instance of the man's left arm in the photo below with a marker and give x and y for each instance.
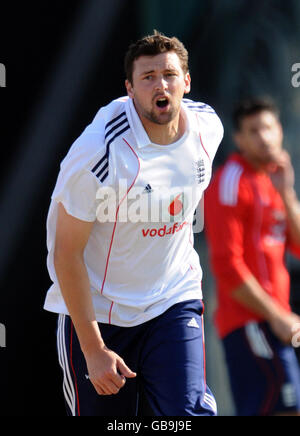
(283, 179)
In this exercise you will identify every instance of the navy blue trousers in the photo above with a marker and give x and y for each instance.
(264, 373)
(167, 353)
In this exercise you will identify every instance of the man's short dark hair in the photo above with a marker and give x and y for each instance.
(252, 106)
(153, 45)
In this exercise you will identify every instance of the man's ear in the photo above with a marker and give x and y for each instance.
(187, 81)
(237, 140)
(129, 88)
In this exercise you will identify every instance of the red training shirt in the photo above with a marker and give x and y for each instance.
(247, 234)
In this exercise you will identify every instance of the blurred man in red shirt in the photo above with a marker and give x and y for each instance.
(252, 217)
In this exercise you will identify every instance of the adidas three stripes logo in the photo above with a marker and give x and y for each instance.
(113, 129)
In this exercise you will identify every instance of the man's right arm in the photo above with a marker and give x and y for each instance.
(251, 295)
(107, 371)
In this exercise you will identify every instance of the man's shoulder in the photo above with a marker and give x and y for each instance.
(110, 115)
(231, 181)
(203, 111)
(95, 139)
(198, 106)
(234, 169)
(206, 120)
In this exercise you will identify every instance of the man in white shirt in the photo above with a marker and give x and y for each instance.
(126, 278)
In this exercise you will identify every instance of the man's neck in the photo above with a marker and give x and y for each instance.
(165, 134)
(256, 166)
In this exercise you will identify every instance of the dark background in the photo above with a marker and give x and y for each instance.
(60, 69)
(31, 38)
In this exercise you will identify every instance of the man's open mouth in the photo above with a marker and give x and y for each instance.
(162, 102)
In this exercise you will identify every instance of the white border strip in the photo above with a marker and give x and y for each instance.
(68, 386)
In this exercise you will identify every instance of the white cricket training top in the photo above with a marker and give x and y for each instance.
(141, 197)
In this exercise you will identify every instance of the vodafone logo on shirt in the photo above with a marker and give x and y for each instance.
(176, 206)
(164, 231)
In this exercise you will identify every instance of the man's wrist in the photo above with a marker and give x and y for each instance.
(275, 313)
(91, 341)
(91, 348)
(289, 198)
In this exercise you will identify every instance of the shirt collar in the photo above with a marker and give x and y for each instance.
(237, 156)
(136, 125)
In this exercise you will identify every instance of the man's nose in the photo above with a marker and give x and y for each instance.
(161, 83)
(265, 136)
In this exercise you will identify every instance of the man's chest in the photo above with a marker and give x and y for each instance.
(164, 185)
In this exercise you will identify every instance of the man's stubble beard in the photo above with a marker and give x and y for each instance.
(164, 119)
(151, 116)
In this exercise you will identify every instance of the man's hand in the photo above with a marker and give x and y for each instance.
(282, 173)
(283, 326)
(107, 371)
